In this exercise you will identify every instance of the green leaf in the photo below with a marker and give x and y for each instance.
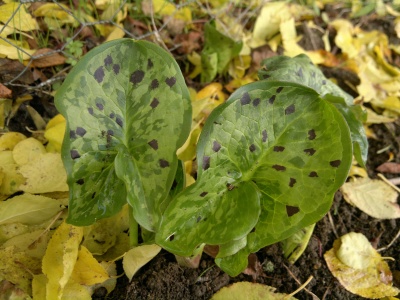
(218, 51)
(301, 70)
(128, 111)
(270, 161)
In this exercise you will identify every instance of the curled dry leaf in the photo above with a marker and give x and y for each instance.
(359, 267)
(372, 196)
(389, 167)
(47, 58)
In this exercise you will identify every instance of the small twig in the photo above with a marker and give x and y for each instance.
(332, 224)
(391, 243)
(156, 33)
(302, 286)
(388, 182)
(395, 181)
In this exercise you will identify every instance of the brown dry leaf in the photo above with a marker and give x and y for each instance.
(359, 267)
(47, 58)
(389, 167)
(5, 92)
(372, 196)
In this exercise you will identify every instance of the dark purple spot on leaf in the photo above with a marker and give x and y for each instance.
(100, 106)
(72, 134)
(170, 81)
(154, 103)
(112, 115)
(74, 154)
(310, 151)
(313, 174)
(203, 194)
(80, 181)
(206, 162)
(154, 84)
(272, 99)
(110, 132)
(163, 163)
(323, 82)
(264, 136)
(279, 168)
(153, 144)
(291, 210)
(311, 134)
(90, 110)
(171, 238)
(230, 186)
(149, 64)
(245, 99)
(279, 148)
(119, 121)
(300, 72)
(252, 148)
(137, 76)
(80, 131)
(290, 109)
(256, 102)
(292, 182)
(279, 89)
(265, 76)
(99, 74)
(93, 195)
(108, 60)
(116, 69)
(335, 163)
(216, 146)
(198, 219)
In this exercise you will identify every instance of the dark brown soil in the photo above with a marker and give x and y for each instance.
(163, 278)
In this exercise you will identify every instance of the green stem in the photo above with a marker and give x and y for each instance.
(133, 229)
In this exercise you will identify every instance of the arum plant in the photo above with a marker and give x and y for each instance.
(269, 159)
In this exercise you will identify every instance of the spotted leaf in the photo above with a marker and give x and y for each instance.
(301, 70)
(128, 111)
(276, 170)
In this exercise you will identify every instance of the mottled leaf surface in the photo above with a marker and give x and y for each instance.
(301, 70)
(270, 160)
(128, 110)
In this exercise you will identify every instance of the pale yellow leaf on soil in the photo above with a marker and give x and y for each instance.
(18, 268)
(371, 278)
(60, 258)
(27, 151)
(55, 14)
(188, 150)
(344, 37)
(44, 174)
(137, 257)
(14, 49)
(102, 235)
(10, 139)
(249, 291)
(11, 178)
(372, 196)
(110, 283)
(75, 291)
(28, 209)
(374, 118)
(88, 270)
(21, 20)
(54, 133)
(166, 8)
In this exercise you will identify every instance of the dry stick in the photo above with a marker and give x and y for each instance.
(302, 286)
(395, 181)
(157, 35)
(391, 243)
(332, 224)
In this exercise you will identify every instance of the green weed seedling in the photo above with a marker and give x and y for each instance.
(269, 159)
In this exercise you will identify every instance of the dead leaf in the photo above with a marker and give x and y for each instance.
(249, 291)
(27, 151)
(16, 16)
(372, 196)
(359, 267)
(10, 139)
(137, 257)
(46, 57)
(389, 167)
(5, 92)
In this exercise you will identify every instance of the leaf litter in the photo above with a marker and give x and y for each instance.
(374, 67)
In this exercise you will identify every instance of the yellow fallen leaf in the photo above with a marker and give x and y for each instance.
(10, 139)
(344, 36)
(249, 291)
(60, 258)
(14, 49)
(39, 283)
(74, 290)
(27, 151)
(359, 267)
(137, 257)
(54, 133)
(195, 59)
(239, 65)
(188, 150)
(372, 196)
(28, 209)
(8, 231)
(11, 179)
(20, 18)
(44, 174)
(18, 268)
(166, 8)
(374, 118)
(88, 270)
(55, 15)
